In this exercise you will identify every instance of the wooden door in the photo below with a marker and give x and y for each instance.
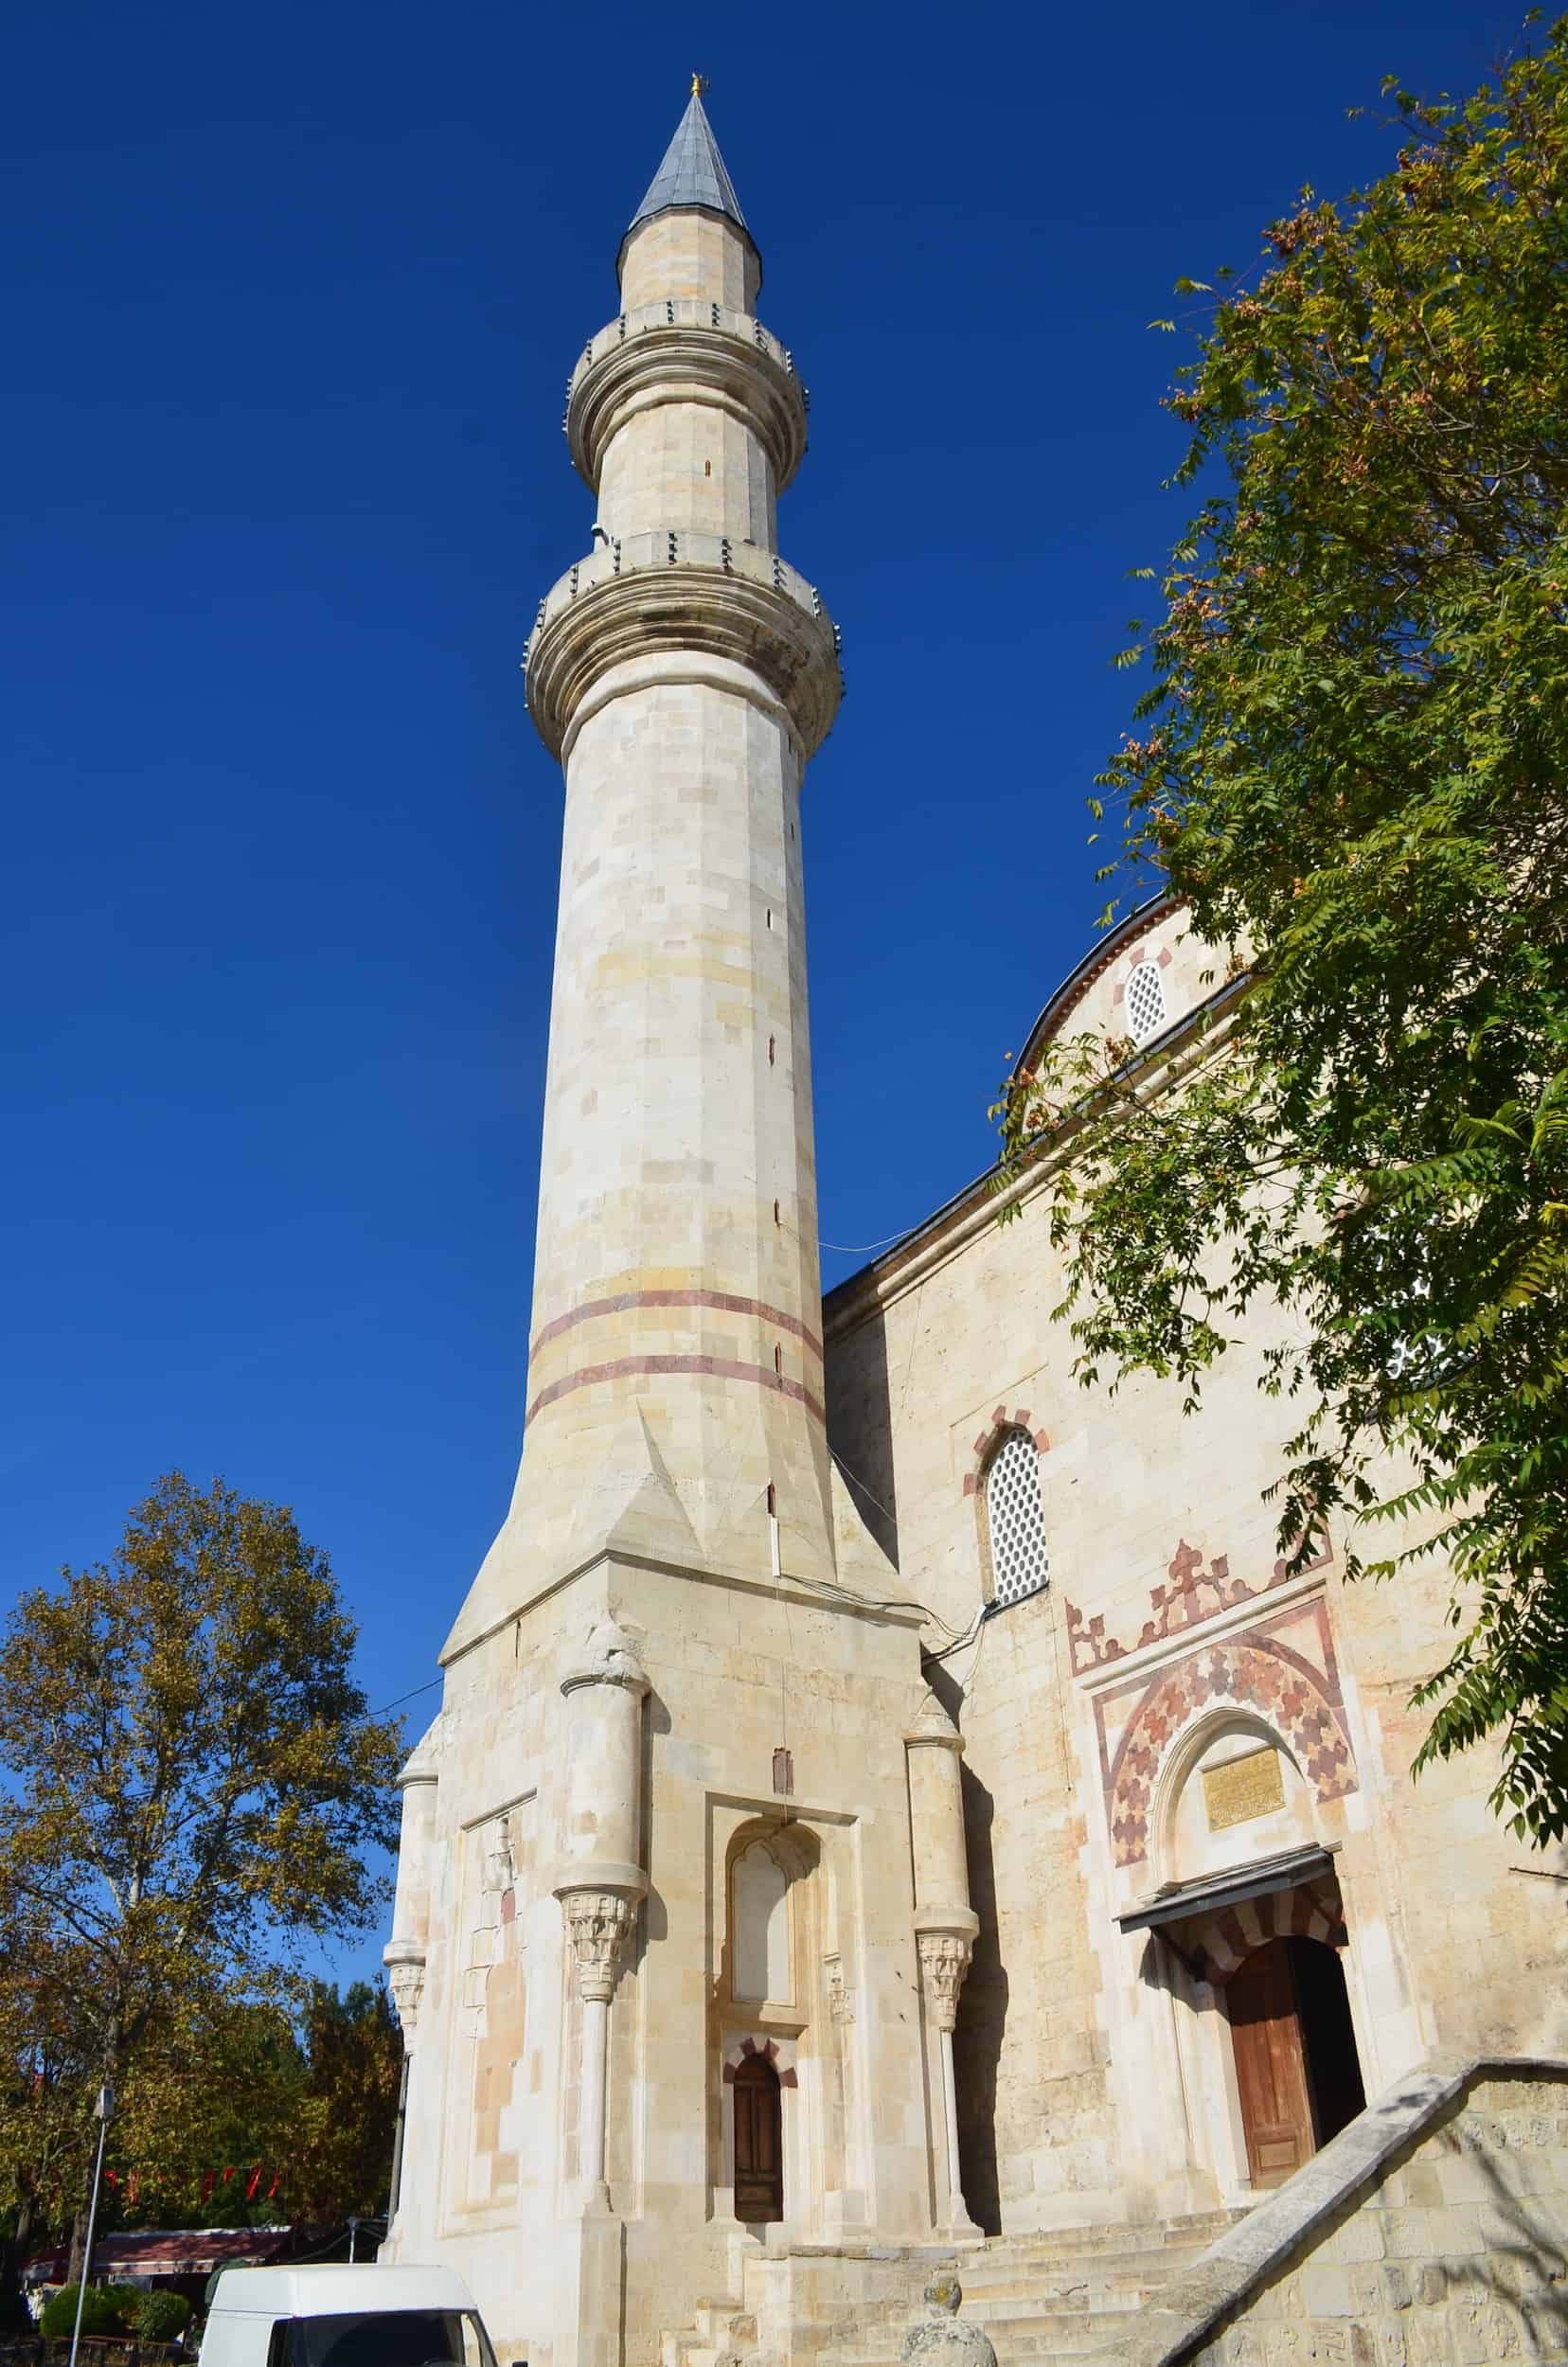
(1270, 2066)
(759, 2141)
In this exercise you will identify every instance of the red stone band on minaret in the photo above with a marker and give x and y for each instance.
(634, 1367)
(725, 1302)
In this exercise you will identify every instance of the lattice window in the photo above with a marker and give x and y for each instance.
(1145, 1001)
(1020, 1562)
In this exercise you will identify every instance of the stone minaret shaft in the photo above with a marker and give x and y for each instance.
(685, 674)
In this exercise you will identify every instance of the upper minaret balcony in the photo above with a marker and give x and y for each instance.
(685, 414)
(687, 419)
(682, 414)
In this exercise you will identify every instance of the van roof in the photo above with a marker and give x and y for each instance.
(333, 2291)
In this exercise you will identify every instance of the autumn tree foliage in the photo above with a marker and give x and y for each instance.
(232, 2114)
(1352, 761)
(191, 1789)
(346, 2109)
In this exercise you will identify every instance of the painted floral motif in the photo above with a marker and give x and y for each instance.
(1193, 1595)
(1253, 1674)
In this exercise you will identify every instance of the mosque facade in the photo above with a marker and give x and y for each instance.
(886, 1798)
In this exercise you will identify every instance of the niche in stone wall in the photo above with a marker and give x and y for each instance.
(1234, 1793)
(760, 1928)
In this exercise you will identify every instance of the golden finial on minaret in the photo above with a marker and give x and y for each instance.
(699, 84)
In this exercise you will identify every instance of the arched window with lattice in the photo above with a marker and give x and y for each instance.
(1015, 1521)
(1145, 1003)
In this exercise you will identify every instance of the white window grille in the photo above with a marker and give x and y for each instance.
(1145, 1001)
(1020, 1562)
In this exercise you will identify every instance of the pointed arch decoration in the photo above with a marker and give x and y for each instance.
(1215, 1946)
(780, 2053)
(1255, 1672)
(991, 1438)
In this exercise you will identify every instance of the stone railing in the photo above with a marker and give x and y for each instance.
(684, 313)
(634, 552)
(652, 596)
(1434, 2227)
(699, 351)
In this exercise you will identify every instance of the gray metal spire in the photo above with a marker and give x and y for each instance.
(692, 173)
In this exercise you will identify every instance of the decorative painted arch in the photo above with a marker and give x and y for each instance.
(992, 1437)
(780, 2053)
(1255, 1673)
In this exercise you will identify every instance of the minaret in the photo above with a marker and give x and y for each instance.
(685, 673)
(667, 1843)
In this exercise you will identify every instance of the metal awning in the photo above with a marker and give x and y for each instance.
(1216, 1890)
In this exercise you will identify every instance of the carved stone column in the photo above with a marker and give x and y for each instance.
(944, 1960)
(599, 1924)
(600, 1883)
(945, 1926)
(405, 1952)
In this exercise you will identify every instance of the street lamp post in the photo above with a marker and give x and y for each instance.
(103, 2113)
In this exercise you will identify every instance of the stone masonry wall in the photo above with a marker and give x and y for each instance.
(1460, 2251)
(1091, 2084)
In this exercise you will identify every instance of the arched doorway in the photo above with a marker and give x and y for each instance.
(759, 2142)
(1297, 2074)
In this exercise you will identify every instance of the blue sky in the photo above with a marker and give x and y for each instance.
(289, 300)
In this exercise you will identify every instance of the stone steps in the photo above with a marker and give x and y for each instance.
(1109, 2268)
(1107, 2235)
(718, 2328)
(1063, 2293)
(1059, 2294)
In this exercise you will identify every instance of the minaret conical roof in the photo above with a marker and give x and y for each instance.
(693, 174)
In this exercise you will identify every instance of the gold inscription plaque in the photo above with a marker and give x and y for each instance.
(1243, 1789)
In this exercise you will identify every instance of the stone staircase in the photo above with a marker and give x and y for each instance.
(1060, 2295)
(719, 2329)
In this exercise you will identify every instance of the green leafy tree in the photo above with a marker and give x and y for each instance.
(160, 2316)
(191, 1786)
(1352, 761)
(347, 2106)
(216, 2089)
(46, 2096)
(105, 2309)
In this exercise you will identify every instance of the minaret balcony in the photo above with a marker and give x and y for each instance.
(672, 594)
(685, 350)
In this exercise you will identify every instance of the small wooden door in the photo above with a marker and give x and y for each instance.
(1270, 2065)
(759, 2141)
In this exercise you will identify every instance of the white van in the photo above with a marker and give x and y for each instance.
(344, 2317)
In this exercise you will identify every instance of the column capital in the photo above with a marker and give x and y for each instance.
(599, 1924)
(944, 1960)
(406, 1977)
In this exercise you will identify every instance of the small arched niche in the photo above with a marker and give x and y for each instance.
(771, 1920)
(1233, 1792)
(760, 1928)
